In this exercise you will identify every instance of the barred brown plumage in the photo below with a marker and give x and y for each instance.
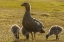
(56, 30)
(30, 24)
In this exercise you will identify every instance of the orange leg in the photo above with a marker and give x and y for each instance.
(32, 36)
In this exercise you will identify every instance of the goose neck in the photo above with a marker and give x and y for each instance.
(27, 9)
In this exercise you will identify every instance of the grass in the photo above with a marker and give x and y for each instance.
(49, 12)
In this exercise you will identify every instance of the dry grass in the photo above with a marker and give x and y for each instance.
(49, 13)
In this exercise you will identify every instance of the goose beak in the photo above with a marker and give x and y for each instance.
(22, 5)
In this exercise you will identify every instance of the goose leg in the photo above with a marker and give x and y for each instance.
(27, 36)
(32, 36)
(18, 35)
(57, 37)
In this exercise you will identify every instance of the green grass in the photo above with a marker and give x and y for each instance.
(49, 12)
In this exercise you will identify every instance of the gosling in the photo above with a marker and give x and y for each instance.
(15, 30)
(56, 30)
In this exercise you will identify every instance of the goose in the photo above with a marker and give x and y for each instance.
(25, 33)
(15, 30)
(56, 30)
(30, 24)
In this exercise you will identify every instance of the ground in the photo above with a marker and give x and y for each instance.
(49, 12)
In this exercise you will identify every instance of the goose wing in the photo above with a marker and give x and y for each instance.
(38, 23)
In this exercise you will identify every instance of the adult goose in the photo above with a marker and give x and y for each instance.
(29, 23)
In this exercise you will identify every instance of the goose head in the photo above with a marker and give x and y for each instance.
(26, 4)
